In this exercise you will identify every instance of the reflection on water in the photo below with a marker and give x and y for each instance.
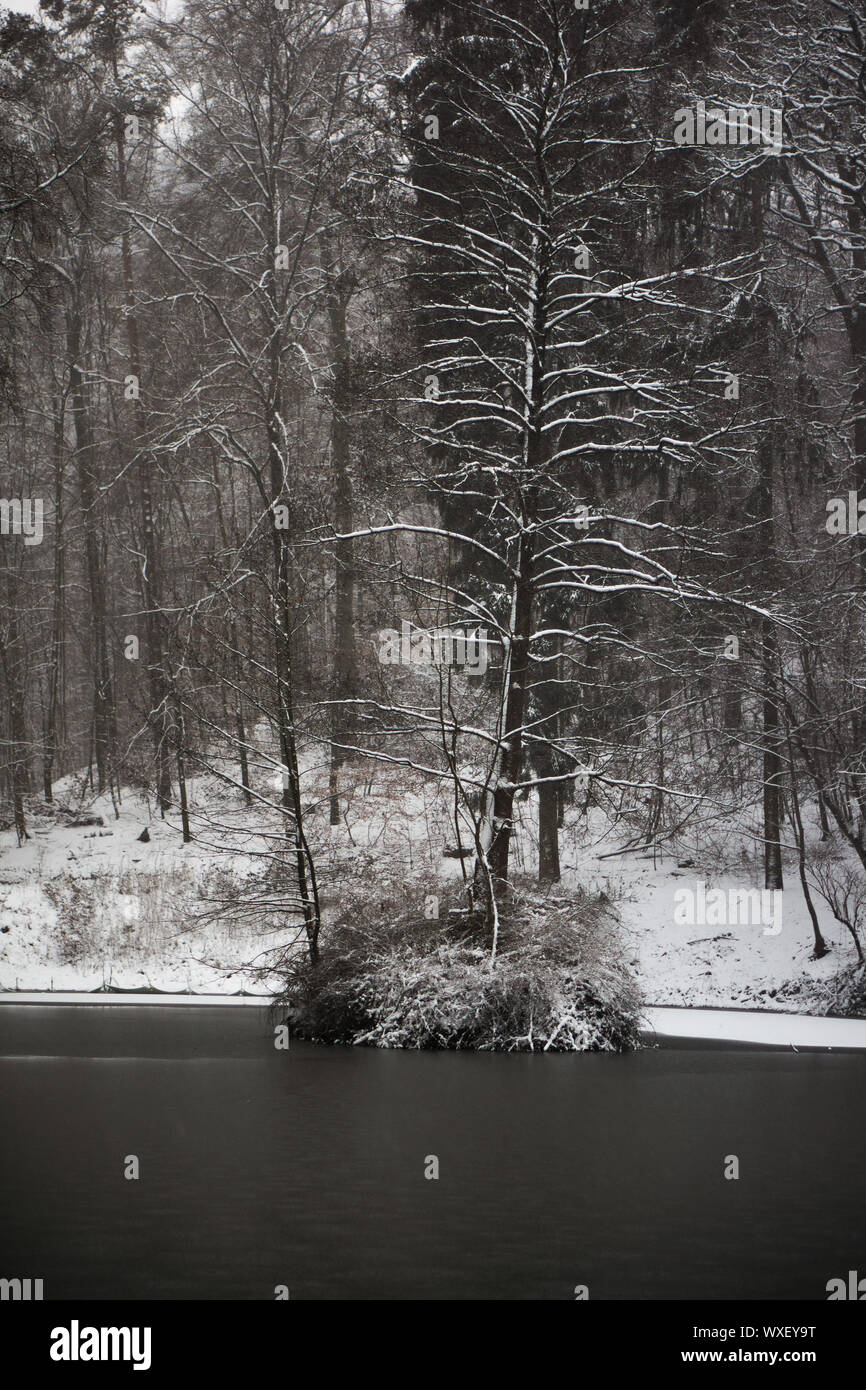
(306, 1168)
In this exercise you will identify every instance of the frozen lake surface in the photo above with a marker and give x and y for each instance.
(305, 1167)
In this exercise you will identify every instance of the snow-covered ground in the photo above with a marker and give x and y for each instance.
(83, 908)
(731, 963)
(753, 1028)
(90, 907)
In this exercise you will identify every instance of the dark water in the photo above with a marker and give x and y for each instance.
(306, 1167)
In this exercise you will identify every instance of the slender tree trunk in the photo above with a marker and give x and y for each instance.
(240, 723)
(550, 794)
(533, 453)
(732, 703)
(772, 774)
(283, 609)
(772, 760)
(821, 947)
(12, 663)
(548, 833)
(179, 732)
(511, 753)
(52, 715)
(88, 491)
(344, 673)
(159, 716)
(235, 660)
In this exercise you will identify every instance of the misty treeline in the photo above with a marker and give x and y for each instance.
(330, 326)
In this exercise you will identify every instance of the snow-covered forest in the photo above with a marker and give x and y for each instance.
(433, 508)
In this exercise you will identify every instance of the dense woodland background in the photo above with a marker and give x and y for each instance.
(319, 318)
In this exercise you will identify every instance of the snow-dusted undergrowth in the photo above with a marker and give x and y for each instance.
(558, 982)
(85, 907)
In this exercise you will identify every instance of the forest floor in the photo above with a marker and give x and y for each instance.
(86, 907)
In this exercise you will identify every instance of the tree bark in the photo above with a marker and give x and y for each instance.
(51, 738)
(283, 614)
(344, 671)
(159, 716)
(548, 833)
(11, 661)
(88, 492)
(511, 752)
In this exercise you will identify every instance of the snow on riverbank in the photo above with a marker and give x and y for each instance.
(82, 908)
(754, 1029)
(731, 963)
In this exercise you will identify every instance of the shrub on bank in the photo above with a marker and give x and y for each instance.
(841, 995)
(559, 982)
(845, 993)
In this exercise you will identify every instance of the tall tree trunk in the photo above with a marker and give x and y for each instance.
(551, 801)
(511, 752)
(283, 610)
(772, 775)
(548, 832)
(772, 772)
(235, 659)
(820, 946)
(240, 723)
(88, 491)
(12, 663)
(344, 671)
(51, 738)
(518, 665)
(159, 716)
(772, 760)
(179, 732)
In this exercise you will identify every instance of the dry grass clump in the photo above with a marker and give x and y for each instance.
(398, 980)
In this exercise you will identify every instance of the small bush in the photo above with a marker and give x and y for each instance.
(557, 984)
(845, 995)
(841, 995)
